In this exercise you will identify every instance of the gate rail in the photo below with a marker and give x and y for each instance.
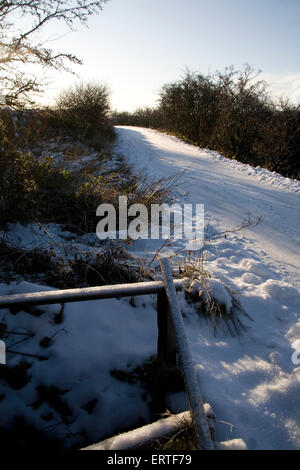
(86, 293)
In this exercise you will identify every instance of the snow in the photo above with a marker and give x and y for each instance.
(50, 237)
(94, 338)
(250, 381)
(145, 434)
(234, 444)
(220, 293)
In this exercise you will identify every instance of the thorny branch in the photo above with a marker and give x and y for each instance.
(23, 46)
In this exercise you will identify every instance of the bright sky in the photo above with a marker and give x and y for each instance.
(135, 46)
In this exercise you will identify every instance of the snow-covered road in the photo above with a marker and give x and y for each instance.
(230, 191)
(252, 381)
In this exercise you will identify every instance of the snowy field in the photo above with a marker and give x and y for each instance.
(250, 381)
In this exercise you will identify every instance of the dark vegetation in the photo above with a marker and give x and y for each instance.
(112, 265)
(36, 186)
(230, 112)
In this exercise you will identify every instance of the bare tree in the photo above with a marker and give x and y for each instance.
(24, 45)
(84, 107)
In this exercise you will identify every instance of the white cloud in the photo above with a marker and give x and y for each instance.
(284, 85)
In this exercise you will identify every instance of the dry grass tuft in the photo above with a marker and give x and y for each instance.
(201, 295)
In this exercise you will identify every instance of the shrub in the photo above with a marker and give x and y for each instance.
(7, 139)
(84, 108)
(189, 107)
(242, 108)
(279, 144)
(36, 126)
(34, 189)
(41, 190)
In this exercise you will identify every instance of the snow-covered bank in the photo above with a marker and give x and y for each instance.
(65, 244)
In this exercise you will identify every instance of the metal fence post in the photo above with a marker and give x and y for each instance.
(186, 362)
(166, 343)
